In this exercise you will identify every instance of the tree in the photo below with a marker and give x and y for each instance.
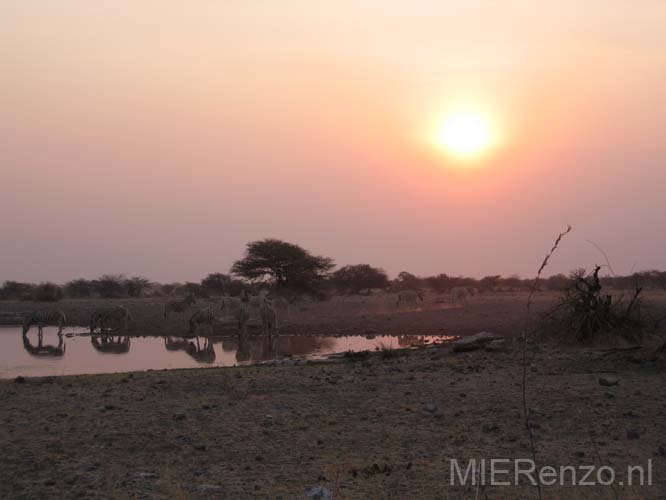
(15, 290)
(407, 281)
(283, 265)
(440, 283)
(79, 288)
(110, 286)
(47, 292)
(135, 285)
(490, 283)
(354, 279)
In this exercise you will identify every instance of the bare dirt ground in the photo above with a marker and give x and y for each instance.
(382, 426)
(371, 428)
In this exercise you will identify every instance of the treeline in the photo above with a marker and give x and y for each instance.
(289, 268)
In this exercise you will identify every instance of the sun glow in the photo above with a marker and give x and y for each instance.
(465, 135)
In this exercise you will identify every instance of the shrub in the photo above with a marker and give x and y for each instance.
(47, 292)
(585, 311)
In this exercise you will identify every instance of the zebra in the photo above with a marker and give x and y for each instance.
(268, 317)
(106, 317)
(202, 317)
(178, 306)
(461, 293)
(46, 316)
(409, 297)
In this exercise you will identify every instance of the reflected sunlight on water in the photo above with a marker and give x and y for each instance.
(83, 354)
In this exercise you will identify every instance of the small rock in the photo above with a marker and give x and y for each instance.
(489, 428)
(319, 493)
(179, 416)
(208, 487)
(474, 342)
(430, 407)
(497, 345)
(148, 475)
(608, 381)
(633, 434)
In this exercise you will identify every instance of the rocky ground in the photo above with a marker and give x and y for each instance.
(377, 426)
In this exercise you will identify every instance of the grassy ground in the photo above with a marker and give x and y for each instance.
(380, 427)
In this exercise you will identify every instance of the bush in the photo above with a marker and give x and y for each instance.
(79, 289)
(47, 292)
(15, 290)
(585, 311)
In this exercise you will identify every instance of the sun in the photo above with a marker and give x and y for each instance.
(465, 135)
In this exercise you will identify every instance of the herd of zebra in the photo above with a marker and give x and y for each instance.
(104, 319)
(240, 309)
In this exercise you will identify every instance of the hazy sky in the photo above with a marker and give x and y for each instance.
(157, 138)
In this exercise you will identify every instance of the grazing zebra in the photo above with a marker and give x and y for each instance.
(409, 297)
(178, 306)
(107, 344)
(41, 350)
(105, 318)
(47, 316)
(268, 317)
(202, 317)
(461, 293)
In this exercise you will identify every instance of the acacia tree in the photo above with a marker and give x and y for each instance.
(356, 278)
(284, 265)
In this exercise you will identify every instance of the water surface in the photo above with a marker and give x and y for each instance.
(86, 355)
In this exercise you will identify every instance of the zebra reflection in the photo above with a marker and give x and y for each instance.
(109, 345)
(41, 350)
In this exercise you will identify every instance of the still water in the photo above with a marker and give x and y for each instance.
(74, 354)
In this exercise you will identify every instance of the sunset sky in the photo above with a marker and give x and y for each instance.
(158, 138)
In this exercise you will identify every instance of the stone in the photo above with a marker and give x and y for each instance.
(474, 342)
(430, 407)
(319, 493)
(608, 381)
(497, 345)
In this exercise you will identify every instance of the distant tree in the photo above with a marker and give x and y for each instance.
(360, 277)
(283, 265)
(490, 283)
(15, 290)
(47, 292)
(440, 283)
(558, 282)
(136, 285)
(407, 281)
(110, 286)
(222, 284)
(170, 288)
(513, 282)
(193, 289)
(79, 288)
